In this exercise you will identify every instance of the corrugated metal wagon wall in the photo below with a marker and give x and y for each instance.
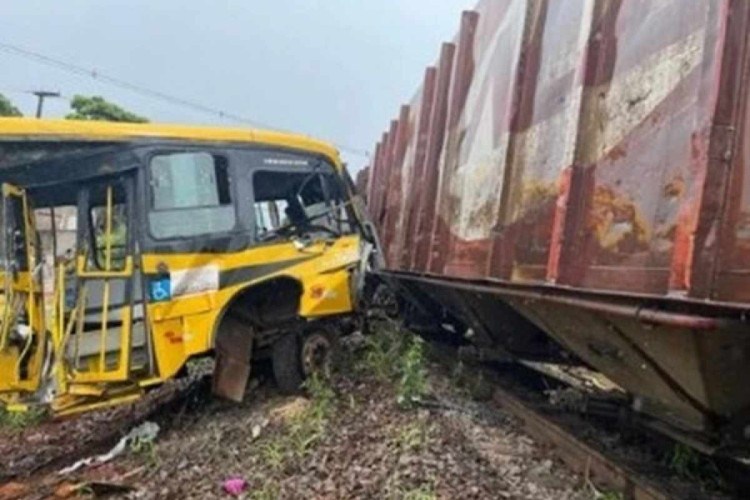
(589, 144)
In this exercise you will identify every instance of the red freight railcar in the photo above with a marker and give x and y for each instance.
(582, 168)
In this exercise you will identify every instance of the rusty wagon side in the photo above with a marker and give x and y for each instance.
(578, 170)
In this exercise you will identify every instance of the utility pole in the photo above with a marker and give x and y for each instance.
(41, 95)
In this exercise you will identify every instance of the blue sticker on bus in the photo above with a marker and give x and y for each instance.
(160, 289)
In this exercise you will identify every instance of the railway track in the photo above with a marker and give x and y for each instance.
(578, 455)
(631, 470)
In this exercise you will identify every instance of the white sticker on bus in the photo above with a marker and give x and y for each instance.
(193, 281)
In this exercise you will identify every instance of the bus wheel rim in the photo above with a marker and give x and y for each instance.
(316, 355)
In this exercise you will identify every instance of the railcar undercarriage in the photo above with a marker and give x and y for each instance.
(681, 373)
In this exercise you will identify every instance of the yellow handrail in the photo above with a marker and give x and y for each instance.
(107, 268)
(80, 318)
(7, 311)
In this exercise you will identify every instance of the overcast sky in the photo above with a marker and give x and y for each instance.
(333, 69)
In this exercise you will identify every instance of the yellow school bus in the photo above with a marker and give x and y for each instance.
(129, 249)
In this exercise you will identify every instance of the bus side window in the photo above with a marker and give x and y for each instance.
(298, 201)
(109, 249)
(190, 195)
(59, 231)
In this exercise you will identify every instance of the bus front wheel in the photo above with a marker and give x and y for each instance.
(296, 357)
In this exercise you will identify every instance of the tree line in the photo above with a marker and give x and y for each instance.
(83, 108)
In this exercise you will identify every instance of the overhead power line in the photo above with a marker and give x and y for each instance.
(147, 92)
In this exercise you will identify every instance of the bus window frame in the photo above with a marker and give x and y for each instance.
(323, 169)
(85, 233)
(147, 199)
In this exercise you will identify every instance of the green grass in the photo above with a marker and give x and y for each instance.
(383, 347)
(412, 437)
(146, 450)
(597, 494)
(269, 491)
(273, 454)
(395, 355)
(18, 420)
(309, 426)
(305, 430)
(610, 495)
(422, 493)
(683, 460)
(412, 383)
(688, 464)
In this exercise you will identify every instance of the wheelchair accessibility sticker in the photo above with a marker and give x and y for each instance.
(160, 289)
(182, 283)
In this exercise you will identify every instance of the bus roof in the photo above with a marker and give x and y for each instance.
(30, 129)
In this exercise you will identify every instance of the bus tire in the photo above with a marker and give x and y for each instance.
(297, 357)
(287, 370)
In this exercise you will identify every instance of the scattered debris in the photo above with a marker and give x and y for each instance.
(91, 488)
(13, 490)
(234, 486)
(569, 399)
(53, 444)
(289, 411)
(144, 433)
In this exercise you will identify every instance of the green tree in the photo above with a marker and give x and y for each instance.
(7, 108)
(97, 108)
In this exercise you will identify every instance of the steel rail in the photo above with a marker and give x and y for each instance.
(577, 455)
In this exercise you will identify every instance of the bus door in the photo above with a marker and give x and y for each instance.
(23, 335)
(105, 335)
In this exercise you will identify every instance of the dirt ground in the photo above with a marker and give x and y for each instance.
(371, 431)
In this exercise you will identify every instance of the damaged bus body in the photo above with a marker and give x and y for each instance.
(570, 185)
(129, 249)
